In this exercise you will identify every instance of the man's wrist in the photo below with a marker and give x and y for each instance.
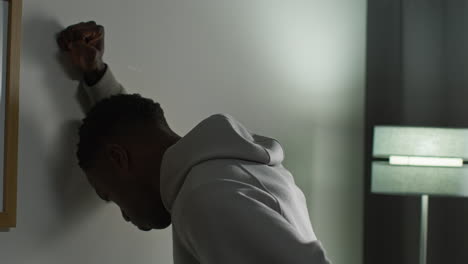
(94, 76)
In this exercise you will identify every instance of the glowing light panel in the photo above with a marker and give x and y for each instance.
(426, 161)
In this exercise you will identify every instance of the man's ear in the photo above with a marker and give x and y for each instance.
(118, 156)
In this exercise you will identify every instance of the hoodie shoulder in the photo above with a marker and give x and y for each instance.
(219, 136)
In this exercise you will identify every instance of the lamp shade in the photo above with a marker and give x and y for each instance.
(419, 161)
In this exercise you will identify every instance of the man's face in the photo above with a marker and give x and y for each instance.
(134, 192)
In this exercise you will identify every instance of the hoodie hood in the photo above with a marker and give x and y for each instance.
(217, 137)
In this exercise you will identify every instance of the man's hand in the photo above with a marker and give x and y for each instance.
(84, 42)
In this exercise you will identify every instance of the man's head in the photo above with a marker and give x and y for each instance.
(122, 141)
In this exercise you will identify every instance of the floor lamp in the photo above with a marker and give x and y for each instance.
(420, 161)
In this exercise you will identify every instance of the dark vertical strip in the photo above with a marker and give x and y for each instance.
(386, 237)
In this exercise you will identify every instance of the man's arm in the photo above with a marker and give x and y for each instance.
(101, 85)
(241, 227)
(84, 42)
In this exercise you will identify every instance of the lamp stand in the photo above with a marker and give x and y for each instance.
(423, 232)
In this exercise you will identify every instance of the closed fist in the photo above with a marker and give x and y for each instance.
(84, 42)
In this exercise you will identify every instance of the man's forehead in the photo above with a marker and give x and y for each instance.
(94, 176)
(95, 181)
(99, 178)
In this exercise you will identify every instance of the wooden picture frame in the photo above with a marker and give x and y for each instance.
(10, 151)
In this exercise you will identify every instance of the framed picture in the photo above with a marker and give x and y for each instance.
(10, 44)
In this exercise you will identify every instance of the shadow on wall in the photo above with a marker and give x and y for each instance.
(72, 198)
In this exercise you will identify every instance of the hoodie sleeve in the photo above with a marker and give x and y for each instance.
(234, 227)
(106, 87)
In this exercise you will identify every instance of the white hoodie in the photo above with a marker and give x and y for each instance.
(230, 198)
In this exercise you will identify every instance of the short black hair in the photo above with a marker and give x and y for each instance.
(113, 116)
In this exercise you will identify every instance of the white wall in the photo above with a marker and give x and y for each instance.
(293, 70)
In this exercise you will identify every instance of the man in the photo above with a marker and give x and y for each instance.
(224, 189)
